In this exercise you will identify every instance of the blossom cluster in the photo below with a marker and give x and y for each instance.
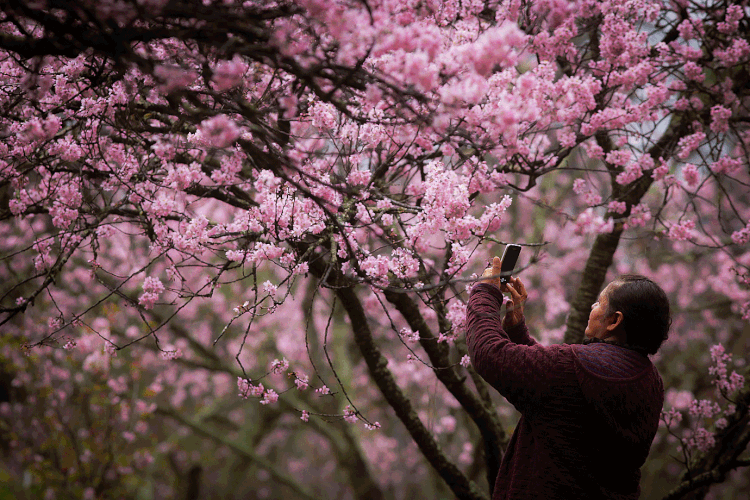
(726, 383)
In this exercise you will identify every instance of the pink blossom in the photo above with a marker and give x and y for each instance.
(660, 172)
(173, 78)
(619, 157)
(219, 131)
(62, 216)
(323, 390)
(493, 215)
(471, 88)
(323, 116)
(152, 288)
(143, 408)
(41, 130)
(682, 104)
(734, 383)
(632, 172)
(704, 408)
(617, 207)
(228, 74)
(171, 353)
(690, 143)
(594, 151)
(686, 29)
(592, 199)
(701, 440)
(691, 175)
(496, 47)
(408, 335)
(269, 397)
(376, 267)
(726, 165)
(403, 264)
(671, 417)
(590, 223)
(161, 207)
(720, 118)
(181, 176)
(419, 71)
(727, 384)
(579, 186)
(456, 314)
(358, 177)
(742, 236)
(278, 367)
(693, 71)
(289, 104)
(738, 51)
(97, 362)
(118, 385)
(256, 391)
(696, 103)
(567, 139)
(301, 268)
(236, 255)
(305, 416)
(446, 193)
(639, 216)
(448, 338)
(192, 235)
(269, 288)
(301, 381)
(680, 400)
(465, 361)
(682, 231)
(731, 23)
(350, 415)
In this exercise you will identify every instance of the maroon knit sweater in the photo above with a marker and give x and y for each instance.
(588, 413)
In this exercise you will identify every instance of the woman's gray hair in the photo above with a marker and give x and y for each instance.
(645, 310)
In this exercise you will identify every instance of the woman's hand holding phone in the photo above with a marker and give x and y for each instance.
(495, 275)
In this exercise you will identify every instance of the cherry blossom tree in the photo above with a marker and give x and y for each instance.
(258, 221)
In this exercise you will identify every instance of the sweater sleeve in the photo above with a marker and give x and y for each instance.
(514, 363)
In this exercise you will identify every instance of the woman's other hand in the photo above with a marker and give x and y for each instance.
(514, 306)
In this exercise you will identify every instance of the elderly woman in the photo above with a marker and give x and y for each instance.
(588, 412)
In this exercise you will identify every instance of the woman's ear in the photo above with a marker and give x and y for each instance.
(616, 321)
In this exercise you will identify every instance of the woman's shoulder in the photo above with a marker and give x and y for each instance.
(611, 361)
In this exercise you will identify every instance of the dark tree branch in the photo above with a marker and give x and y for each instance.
(483, 415)
(714, 465)
(461, 486)
(456, 480)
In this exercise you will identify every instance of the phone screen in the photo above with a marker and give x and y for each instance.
(510, 257)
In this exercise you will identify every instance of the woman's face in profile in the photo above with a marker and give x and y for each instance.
(597, 326)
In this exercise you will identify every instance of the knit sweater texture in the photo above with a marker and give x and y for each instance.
(589, 413)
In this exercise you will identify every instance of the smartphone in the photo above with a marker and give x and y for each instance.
(510, 257)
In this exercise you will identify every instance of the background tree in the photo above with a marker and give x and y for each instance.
(288, 200)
